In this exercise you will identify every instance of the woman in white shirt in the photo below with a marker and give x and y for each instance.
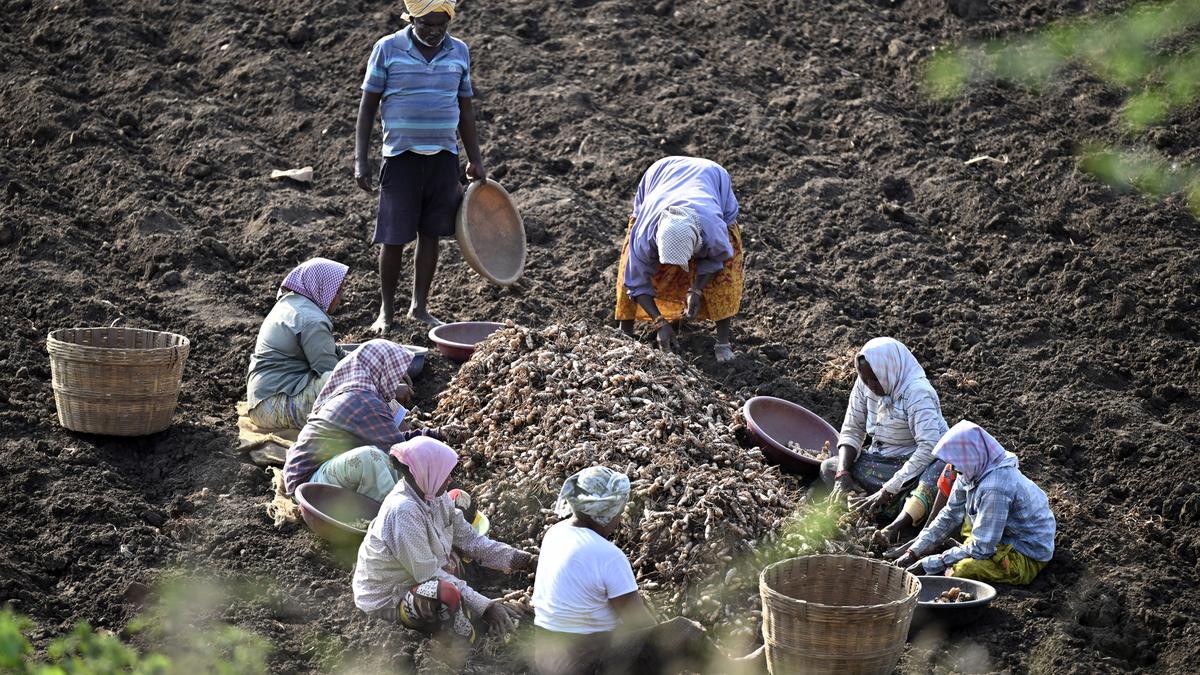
(895, 404)
(588, 614)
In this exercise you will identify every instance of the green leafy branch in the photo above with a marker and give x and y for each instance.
(225, 650)
(1148, 49)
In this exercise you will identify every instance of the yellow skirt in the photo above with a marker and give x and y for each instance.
(722, 296)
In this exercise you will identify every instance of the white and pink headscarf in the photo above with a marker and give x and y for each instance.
(429, 461)
(972, 451)
(318, 280)
(678, 236)
(378, 366)
(895, 367)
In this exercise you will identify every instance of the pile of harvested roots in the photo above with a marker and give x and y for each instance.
(539, 405)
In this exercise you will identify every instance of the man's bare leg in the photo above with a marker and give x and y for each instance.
(424, 267)
(390, 258)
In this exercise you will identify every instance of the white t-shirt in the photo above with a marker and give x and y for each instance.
(578, 572)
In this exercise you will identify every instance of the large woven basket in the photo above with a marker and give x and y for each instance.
(835, 614)
(116, 381)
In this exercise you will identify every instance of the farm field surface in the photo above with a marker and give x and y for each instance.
(138, 139)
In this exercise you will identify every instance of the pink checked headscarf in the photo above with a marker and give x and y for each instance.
(428, 460)
(318, 280)
(378, 366)
(972, 451)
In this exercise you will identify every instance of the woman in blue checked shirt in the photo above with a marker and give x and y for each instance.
(1006, 517)
(894, 403)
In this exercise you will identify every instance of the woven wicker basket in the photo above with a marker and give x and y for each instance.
(836, 614)
(116, 381)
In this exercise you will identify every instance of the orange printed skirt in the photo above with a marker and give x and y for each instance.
(722, 296)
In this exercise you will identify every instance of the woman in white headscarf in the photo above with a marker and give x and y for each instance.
(894, 403)
(588, 614)
(683, 252)
(1011, 533)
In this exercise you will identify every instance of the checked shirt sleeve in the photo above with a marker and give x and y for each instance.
(943, 526)
(986, 529)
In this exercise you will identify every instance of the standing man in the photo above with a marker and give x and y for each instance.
(683, 251)
(422, 76)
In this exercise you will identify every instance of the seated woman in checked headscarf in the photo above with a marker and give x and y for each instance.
(894, 403)
(357, 415)
(295, 351)
(683, 252)
(1006, 517)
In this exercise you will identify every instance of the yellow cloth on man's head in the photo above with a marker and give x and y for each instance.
(422, 7)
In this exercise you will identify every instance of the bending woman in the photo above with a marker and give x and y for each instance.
(409, 564)
(894, 402)
(683, 252)
(1011, 533)
(295, 351)
(352, 421)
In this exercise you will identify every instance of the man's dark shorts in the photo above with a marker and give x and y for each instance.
(417, 193)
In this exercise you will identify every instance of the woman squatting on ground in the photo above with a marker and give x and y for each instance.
(894, 402)
(1006, 517)
(295, 351)
(353, 420)
(410, 565)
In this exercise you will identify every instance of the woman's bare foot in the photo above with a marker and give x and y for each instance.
(421, 314)
(723, 352)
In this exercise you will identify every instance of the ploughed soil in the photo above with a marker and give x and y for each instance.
(1061, 315)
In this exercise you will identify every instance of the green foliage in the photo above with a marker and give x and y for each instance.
(1143, 172)
(87, 652)
(1135, 49)
(82, 652)
(14, 648)
(1122, 49)
(224, 650)
(176, 623)
(814, 528)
